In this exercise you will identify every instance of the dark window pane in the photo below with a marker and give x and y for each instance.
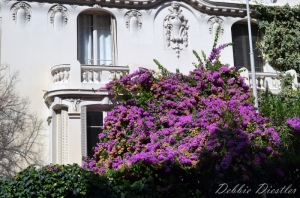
(85, 20)
(94, 119)
(103, 21)
(94, 127)
(92, 139)
(241, 48)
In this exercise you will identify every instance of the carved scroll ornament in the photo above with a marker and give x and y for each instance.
(21, 5)
(215, 20)
(133, 13)
(58, 8)
(176, 29)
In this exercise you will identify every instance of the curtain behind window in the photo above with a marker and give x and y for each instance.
(104, 40)
(85, 39)
(241, 48)
(86, 26)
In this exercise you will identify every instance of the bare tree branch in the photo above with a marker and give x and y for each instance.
(20, 130)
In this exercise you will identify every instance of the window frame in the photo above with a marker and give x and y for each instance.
(84, 125)
(113, 41)
(244, 44)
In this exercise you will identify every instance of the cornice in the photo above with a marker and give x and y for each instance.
(208, 6)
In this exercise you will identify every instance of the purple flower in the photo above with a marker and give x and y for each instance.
(167, 169)
(294, 123)
(226, 161)
(216, 75)
(231, 81)
(213, 88)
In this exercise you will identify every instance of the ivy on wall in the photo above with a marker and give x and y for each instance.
(281, 41)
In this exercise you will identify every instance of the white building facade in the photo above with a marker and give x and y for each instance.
(67, 50)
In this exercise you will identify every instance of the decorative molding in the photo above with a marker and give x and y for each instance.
(21, 5)
(200, 5)
(133, 13)
(213, 20)
(97, 6)
(176, 29)
(74, 6)
(58, 8)
(6, 1)
(203, 15)
(259, 1)
(121, 9)
(49, 120)
(40, 4)
(75, 104)
(228, 18)
(149, 11)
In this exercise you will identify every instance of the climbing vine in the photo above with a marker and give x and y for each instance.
(281, 42)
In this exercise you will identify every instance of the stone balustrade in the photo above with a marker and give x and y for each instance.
(60, 73)
(270, 80)
(101, 74)
(74, 76)
(266, 79)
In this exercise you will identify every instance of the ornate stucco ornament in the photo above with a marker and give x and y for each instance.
(259, 1)
(176, 29)
(21, 5)
(215, 21)
(59, 8)
(97, 6)
(6, 1)
(75, 103)
(74, 6)
(40, 4)
(133, 13)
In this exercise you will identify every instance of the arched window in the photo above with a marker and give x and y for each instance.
(96, 38)
(241, 49)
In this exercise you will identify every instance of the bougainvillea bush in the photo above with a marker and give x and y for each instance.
(197, 129)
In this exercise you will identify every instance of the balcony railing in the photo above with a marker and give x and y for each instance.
(270, 80)
(97, 74)
(76, 76)
(60, 73)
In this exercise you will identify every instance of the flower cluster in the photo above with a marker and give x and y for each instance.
(216, 51)
(183, 120)
(294, 123)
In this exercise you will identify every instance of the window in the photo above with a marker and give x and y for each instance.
(94, 127)
(241, 49)
(96, 42)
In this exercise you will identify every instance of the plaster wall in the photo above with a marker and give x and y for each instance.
(39, 45)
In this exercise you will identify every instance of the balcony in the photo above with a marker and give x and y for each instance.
(75, 78)
(270, 80)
